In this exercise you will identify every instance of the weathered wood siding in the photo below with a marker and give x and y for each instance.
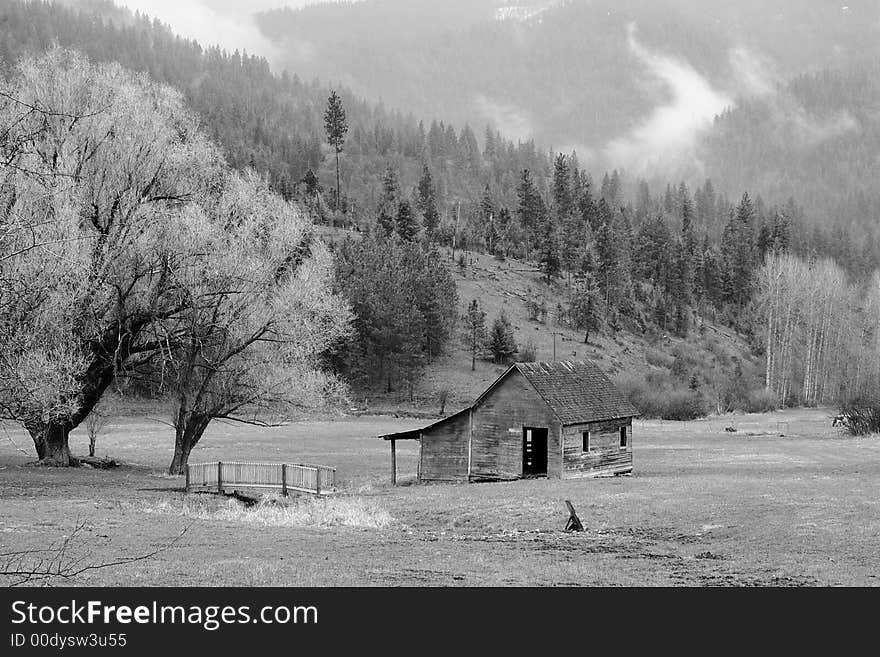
(498, 421)
(605, 455)
(444, 453)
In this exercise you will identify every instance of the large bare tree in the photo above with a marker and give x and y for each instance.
(102, 174)
(251, 352)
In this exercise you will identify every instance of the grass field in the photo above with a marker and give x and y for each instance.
(704, 507)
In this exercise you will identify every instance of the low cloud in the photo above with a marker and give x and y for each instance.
(755, 78)
(511, 121)
(753, 74)
(805, 131)
(671, 130)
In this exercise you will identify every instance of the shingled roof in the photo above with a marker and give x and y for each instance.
(576, 391)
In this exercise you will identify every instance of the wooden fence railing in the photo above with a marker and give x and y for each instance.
(284, 477)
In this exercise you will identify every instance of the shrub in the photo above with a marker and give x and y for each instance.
(659, 358)
(659, 396)
(861, 417)
(527, 352)
(761, 401)
(682, 405)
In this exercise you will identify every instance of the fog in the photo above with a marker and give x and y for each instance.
(227, 23)
(674, 125)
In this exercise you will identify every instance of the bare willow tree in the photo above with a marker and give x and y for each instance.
(252, 351)
(105, 173)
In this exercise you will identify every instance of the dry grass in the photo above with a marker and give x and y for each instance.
(342, 511)
(703, 507)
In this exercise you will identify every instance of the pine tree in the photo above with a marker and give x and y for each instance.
(682, 289)
(406, 223)
(505, 232)
(474, 331)
(782, 224)
(336, 126)
(623, 273)
(487, 220)
(669, 200)
(737, 252)
(427, 203)
(549, 248)
(643, 201)
(764, 242)
(388, 204)
(585, 307)
(502, 341)
(529, 208)
(615, 190)
(562, 200)
(606, 251)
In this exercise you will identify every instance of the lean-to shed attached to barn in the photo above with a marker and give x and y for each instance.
(561, 419)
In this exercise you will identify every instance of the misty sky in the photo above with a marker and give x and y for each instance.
(669, 130)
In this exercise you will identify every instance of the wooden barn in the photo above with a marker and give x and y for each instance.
(561, 420)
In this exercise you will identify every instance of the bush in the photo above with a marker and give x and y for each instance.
(861, 417)
(527, 352)
(659, 358)
(682, 405)
(660, 396)
(761, 401)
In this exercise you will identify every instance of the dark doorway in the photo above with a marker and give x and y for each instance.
(534, 452)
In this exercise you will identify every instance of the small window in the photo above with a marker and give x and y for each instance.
(622, 437)
(586, 441)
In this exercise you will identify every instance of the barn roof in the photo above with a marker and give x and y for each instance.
(576, 391)
(415, 434)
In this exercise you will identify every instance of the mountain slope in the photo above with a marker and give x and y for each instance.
(634, 85)
(569, 76)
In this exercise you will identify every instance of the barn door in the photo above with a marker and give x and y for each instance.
(534, 452)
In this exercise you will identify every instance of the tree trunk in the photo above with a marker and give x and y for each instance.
(337, 180)
(51, 443)
(189, 430)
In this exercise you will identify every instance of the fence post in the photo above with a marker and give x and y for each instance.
(219, 476)
(284, 480)
(187, 477)
(318, 482)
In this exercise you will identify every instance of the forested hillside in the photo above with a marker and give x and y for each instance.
(617, 254)
(271, 122)
(818, 140)
(798, 81)
(567, 76)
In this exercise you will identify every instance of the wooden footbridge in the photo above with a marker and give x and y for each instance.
(283, 477)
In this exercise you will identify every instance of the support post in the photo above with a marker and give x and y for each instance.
(318, 482)
(393, 463)
(284, 480)
(574, 523)
(187, 477)
(219, 476)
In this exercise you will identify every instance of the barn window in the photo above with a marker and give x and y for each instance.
(622, 437)
(586, 441)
